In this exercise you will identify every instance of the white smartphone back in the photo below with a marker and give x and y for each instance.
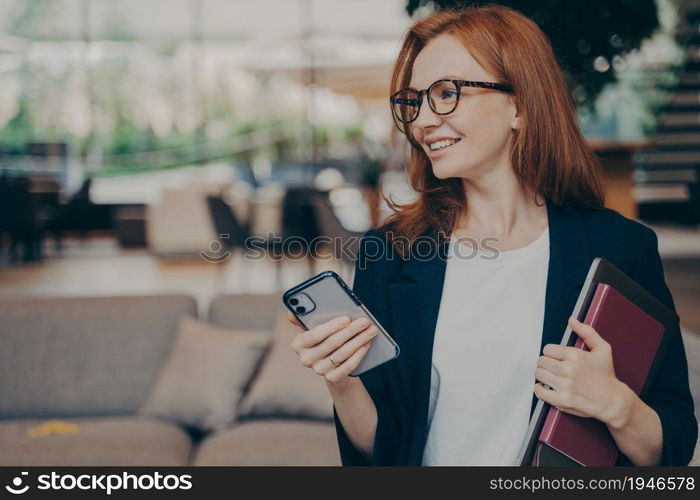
(325, 297)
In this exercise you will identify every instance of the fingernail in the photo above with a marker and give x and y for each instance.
(373, 332)
(363, 322)
(344, 320)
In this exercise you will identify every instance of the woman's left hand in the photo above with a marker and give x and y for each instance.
(582, 383)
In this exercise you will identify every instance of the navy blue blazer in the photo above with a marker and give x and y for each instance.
(404, 296)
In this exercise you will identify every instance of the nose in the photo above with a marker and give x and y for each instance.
(426, 117)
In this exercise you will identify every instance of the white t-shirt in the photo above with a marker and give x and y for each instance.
(487, 340)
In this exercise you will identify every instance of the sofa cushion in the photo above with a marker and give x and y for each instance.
(271, 442)
(75, 356)
(234, 311)
(115, 441)
(284, 387)
(205, 374)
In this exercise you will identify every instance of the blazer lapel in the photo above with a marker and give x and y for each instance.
(414, 303)
(569, 260)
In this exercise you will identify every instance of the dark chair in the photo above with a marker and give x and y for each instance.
(18, 219)
(300, 225)
(330, 226)
(299, 214)
(78, 215)
(231, 233)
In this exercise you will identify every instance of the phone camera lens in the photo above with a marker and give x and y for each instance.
(294, 301)
(301, 309)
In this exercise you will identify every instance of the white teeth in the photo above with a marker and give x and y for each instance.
(442, 144)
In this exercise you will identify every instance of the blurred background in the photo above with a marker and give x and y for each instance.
(142, 142)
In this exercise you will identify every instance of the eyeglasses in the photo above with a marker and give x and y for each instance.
(443, 97)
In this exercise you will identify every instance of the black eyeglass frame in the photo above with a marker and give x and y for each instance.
(501, 87)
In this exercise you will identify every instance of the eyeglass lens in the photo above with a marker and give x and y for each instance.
(442, 98)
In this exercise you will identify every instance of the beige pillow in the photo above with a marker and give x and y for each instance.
(284, 387)
(201, 382)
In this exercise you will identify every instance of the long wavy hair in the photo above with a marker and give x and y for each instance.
(549, 154)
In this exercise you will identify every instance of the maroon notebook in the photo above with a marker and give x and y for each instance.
(635, 338)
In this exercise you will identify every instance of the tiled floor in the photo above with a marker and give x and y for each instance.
(100, 267)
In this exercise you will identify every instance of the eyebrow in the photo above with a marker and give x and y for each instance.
(446, 77)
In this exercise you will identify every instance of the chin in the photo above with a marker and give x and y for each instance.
(447, 171)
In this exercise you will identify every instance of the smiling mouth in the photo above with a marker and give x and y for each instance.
(440, 145)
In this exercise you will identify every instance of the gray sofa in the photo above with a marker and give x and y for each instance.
(92, 361)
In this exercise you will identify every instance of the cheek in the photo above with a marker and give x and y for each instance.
(480, 121)
(485, 132)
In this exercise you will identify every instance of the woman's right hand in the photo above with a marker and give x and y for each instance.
(333, 349)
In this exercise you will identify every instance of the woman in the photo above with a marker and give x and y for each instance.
(475, 279)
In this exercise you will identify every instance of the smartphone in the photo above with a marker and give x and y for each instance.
(325, 297)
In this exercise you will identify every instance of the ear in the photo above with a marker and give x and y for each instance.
(515, 124)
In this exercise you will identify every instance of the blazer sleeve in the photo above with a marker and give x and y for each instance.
(670, 395)
(367, 285)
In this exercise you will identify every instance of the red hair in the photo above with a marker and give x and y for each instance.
(549, 154)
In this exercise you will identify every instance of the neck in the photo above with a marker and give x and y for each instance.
(499, 205)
